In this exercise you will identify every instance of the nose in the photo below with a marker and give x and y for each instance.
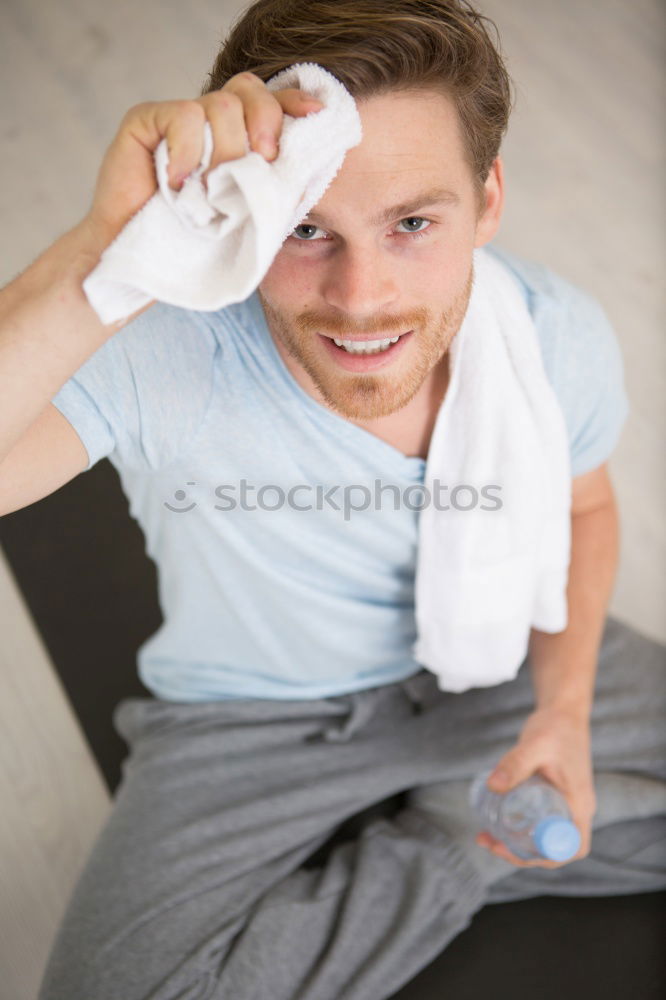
(361, 283)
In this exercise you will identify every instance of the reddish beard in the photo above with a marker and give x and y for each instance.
(361, 396)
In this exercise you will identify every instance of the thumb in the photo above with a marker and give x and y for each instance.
(510, 770)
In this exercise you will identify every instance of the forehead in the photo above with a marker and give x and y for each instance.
(405, 121)
(411, 143)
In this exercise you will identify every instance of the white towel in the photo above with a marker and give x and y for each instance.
(207, 246)
(485, 577)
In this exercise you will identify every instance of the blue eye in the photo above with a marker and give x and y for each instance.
(304, 238)
(305, 232)
(418, 219)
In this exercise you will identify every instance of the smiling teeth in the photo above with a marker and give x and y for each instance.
(365, 346)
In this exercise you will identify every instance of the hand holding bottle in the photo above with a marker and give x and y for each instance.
(554, 744)
(532, 820)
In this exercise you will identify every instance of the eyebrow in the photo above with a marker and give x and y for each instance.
(437, 196)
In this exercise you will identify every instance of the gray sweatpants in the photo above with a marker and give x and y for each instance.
(197, 888)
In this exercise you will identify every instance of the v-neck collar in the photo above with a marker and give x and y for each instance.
(413, 465)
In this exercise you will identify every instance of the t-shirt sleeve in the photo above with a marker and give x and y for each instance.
(582, 360)
(143, 394)
(597, 398)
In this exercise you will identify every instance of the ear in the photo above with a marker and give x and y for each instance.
(489, 220)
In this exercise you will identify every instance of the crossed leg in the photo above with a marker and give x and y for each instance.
(198, 888)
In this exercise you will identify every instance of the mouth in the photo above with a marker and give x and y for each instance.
(365, 353)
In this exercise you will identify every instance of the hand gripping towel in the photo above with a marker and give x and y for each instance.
(210, 245)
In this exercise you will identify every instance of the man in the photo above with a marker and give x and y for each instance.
(286, 697)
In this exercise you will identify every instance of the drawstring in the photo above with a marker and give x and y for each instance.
(362, 708)
(363, 705)
(412, 688)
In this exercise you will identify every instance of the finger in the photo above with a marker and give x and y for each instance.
(514, 767)
(264, 110)
(296, 102)
(268, 129)
(582, 807)
(500, 850)
(224, 111)
(292, 100)
(181, 124)
(264, 116)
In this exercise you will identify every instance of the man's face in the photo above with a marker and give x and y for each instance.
(387, 252)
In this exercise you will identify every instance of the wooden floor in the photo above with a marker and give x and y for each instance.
(585, 165)
(53, 800)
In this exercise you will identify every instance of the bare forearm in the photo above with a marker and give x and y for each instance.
(47, 330)
(563, 664)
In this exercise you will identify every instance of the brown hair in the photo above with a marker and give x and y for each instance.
(377, 46)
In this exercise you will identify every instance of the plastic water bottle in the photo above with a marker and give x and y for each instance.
(532, 819)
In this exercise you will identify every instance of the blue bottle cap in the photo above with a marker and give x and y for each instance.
(556, 838)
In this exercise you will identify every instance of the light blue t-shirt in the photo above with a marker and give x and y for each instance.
(282, 601)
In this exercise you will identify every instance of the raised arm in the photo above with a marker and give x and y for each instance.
(47, 327)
